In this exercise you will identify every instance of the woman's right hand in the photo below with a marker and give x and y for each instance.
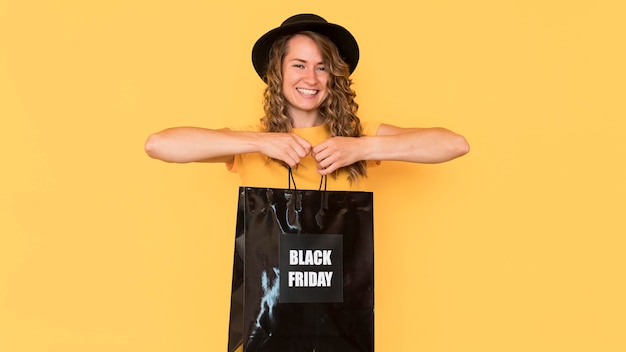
(287, 147)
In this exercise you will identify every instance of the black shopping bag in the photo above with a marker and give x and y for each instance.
(303, 273)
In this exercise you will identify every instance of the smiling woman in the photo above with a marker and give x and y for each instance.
(310, 122)
(310, 127)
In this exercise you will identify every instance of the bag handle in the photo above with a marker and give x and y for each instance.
(325, 180)
(290, 179)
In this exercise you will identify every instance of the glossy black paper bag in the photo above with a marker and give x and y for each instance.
(303, 274)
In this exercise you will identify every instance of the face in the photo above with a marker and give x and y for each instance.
(304, 78)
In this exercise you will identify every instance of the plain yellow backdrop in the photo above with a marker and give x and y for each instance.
(518, 246)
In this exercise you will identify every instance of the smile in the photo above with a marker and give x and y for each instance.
(307, 91)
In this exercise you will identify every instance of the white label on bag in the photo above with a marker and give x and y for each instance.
(311, 268)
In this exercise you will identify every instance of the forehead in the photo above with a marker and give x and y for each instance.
(303, 47)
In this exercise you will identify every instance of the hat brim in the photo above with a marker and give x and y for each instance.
(341, 37)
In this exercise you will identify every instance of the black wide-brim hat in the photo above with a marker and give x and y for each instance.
(341, 37)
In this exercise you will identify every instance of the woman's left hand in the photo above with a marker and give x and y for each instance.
(337, 152)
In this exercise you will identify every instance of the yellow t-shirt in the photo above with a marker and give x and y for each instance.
(256, 170)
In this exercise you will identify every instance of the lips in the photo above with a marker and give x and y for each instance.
(307, 91)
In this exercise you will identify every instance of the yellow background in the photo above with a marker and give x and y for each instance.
(518, 246)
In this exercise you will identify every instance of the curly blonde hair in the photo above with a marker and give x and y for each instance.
(338, 111)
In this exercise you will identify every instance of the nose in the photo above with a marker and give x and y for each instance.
(310, 76)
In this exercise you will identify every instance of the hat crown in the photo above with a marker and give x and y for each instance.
(303, 17)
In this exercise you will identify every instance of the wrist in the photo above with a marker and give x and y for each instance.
(368, 147)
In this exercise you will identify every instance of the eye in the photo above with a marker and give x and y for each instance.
(321, 68)
(298, 65)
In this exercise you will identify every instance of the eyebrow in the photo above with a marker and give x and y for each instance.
(304, 61)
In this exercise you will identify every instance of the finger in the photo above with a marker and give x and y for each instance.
(303, 147)
(320, 147)
(327, 170)
(320, 154)
(293, 157)
(285, 153)
(296, 148)
(328, 162)
(290, 161)
(301, 150)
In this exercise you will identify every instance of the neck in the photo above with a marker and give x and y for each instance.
(306, 119)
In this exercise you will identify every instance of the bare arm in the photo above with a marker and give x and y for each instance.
(194, 144)
(417, 145)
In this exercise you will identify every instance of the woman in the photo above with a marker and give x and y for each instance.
(310, 121)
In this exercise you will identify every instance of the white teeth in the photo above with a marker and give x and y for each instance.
(307, 91)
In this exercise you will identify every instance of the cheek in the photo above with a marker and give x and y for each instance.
(325, 96)
(284, 87)
(287, 80)
(326, 89)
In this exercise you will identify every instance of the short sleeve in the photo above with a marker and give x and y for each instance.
(370, 129)
(234, 166)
